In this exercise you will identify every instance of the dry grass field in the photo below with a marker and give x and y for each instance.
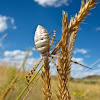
(84, 89)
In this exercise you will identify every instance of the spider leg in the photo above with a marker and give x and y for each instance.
(58, 68)
(51, 32)
(53, 38)
(29, 76)
(54, 45)
(80, 64)
(53, 62)
(54, 56)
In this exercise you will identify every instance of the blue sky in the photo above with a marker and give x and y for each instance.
(19, 19)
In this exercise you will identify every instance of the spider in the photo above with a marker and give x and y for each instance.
(43, 45)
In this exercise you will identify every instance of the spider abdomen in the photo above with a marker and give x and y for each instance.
(41, 40)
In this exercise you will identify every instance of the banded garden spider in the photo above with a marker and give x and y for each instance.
(43, 45)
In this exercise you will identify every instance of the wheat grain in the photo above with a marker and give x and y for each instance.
(64, 67)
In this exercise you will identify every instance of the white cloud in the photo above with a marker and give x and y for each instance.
(98, 29)
(82, 73)
(75, 68)
(17, 54)
(55, 3)
(87, 72)
(90, 73)
(16, 57)
(12, 21)
(28, 64)
(30, 61)
(13, 53)
(83, 51)
(98, 65)
(3, 23)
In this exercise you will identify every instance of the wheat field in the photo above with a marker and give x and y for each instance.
(80, 90)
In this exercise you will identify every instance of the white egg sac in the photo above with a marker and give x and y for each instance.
(41, 40)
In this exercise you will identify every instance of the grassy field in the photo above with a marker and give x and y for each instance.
(84, 89)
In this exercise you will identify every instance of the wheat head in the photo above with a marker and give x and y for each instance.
(69, 33)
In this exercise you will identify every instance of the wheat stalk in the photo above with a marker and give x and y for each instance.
(64, 68)
(10, 86)
(46, 81)
(75, 22)
(69, 33)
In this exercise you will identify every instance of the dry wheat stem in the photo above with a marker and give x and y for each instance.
(69, 33)
(75, 22)
(46, 81)
(64, 67)
(47, 95)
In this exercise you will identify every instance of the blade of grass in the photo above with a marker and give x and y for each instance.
(18, 98)
(31, 88)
